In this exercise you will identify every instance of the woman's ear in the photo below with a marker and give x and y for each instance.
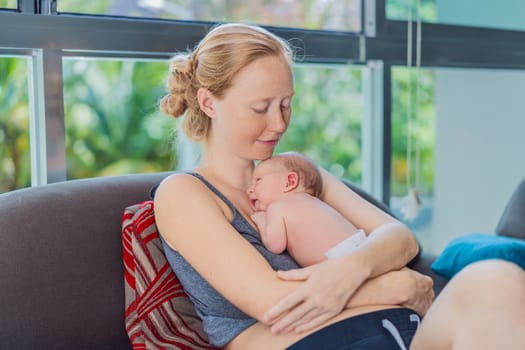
(292, 181)
(205, 98)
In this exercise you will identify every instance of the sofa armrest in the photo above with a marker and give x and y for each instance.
(422, 264)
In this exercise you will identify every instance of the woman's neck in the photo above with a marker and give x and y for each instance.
(235, 173)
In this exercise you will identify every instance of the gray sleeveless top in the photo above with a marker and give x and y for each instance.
(222, 321)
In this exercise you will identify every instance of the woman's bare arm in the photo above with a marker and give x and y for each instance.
(194, 223)
(329, 286)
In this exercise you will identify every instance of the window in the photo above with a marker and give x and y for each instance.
(504, 14)
(113, 124)
(413, 147)
(15, 168)
(100, 85)
(344, 15)
(326, 118)
(10, 4)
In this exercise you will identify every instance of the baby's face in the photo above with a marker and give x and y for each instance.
(268, 184)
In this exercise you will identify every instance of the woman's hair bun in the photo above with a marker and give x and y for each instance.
(181, 73)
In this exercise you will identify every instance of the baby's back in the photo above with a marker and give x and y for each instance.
(312, 226)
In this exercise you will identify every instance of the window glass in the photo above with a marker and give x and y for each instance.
(398, 10)
(344, 15)
(326, 118)
(15, 163)
(113, 123)
(10, 4)
(471, 139)
(419, 160)
(503, 14)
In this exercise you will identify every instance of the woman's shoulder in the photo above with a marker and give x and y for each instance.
(181, 191)
(180, 184)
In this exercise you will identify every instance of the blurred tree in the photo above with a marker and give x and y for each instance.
(113, 125)
(423, 134)
(15, 166)
(398, 10)
(423, 130)
(326, 118)
(310, 14)
(11, 4)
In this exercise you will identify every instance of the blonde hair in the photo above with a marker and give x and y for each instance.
(308, 173)
(213, 64)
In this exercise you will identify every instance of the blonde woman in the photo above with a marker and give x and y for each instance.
(235, 92)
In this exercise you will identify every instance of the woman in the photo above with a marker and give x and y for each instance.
(235, 90)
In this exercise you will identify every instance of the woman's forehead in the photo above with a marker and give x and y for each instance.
(265, 78)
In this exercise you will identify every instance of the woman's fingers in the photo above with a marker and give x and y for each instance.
(313, 323)
(303, 317)
(292, 300)
(291, 320)
(288, 303)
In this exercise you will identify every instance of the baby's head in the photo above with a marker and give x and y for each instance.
(309, 177)
(282, 174)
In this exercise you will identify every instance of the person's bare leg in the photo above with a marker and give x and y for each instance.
(482, 307)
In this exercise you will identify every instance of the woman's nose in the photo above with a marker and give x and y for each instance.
(278, 121)
(249, 190)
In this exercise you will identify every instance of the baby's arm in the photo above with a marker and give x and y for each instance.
(272, 230)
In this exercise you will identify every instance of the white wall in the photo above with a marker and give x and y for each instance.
(480, 146)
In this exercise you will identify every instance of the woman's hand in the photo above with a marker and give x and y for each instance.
(325, 292)
(419, 291)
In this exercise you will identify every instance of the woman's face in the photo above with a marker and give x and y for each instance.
(255, 111)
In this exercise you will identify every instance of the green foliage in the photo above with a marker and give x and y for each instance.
(326, 118)
(113, 124)
(11, 4)
(423, 130)
(398, 10)
(15, 169)
(308, 14)
(92, 6)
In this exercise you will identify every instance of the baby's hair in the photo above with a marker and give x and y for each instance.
(309, 175)
(213, 64)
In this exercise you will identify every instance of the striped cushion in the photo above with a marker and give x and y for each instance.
(159, 314)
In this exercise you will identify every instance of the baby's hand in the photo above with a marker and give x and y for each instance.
(259, 217)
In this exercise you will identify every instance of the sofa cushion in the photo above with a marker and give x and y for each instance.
(474, 247)
(158, 313)
(512, 221)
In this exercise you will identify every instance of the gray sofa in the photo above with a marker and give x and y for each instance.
(61, 261)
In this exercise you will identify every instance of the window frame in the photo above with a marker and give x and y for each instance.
(36, 28)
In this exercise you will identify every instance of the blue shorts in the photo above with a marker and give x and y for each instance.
(390, 329)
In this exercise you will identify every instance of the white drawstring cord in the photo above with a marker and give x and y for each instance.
(395, 332)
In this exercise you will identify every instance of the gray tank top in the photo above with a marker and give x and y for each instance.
(222, 321)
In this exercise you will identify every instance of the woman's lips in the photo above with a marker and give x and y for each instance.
(269, 142)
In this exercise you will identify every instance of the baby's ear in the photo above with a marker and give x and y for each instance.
(292, 181)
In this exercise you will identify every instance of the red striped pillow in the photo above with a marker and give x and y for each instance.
(159, 314)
